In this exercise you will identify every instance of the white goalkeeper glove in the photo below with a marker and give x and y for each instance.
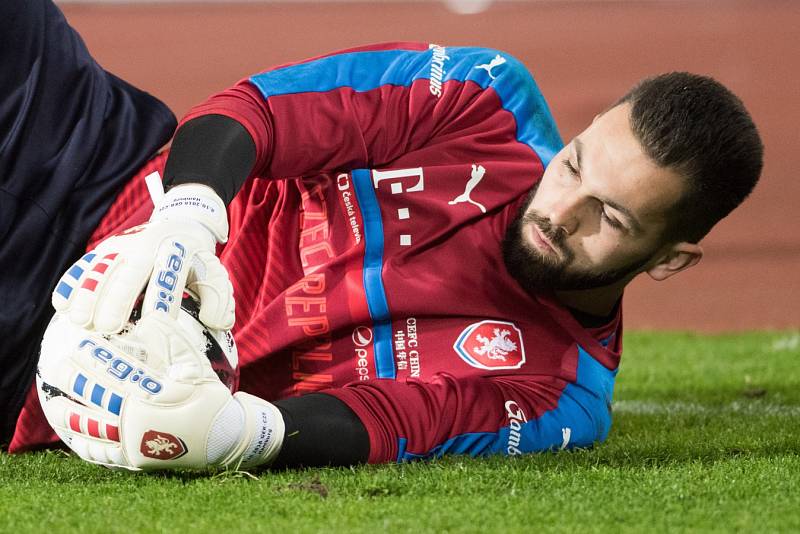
(176, 249)
(148, 399)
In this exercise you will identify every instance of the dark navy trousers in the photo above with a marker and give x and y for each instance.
(71, 134)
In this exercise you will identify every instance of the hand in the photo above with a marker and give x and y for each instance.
(147, 399)
(175, 250)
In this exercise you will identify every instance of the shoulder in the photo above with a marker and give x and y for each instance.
(500, 72)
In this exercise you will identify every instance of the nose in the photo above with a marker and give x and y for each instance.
(566, 213)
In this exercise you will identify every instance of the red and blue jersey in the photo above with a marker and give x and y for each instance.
(365, 253)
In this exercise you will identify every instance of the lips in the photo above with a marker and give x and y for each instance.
(541, 241)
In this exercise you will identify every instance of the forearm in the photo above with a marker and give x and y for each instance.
(212, 150)
(321, 430)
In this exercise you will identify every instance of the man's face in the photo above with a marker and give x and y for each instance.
(597, 216)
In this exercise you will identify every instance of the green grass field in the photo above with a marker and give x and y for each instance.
(706, 437)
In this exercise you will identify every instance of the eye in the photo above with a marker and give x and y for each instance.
(570, 168)
(612, 222)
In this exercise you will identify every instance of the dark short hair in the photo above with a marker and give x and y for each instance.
(695, 126)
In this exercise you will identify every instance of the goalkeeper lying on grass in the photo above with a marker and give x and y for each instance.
(419, 266)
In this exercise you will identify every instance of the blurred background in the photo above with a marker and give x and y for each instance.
(583, 54)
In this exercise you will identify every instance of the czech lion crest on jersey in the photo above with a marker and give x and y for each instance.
(491, 345)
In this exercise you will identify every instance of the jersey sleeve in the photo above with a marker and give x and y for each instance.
(483, 415)
(365, 107)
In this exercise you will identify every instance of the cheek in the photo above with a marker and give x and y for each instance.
(600, 250)
(546, 190)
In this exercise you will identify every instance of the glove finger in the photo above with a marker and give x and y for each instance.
(168, 279)
(173, 350)
(107, 377)
(60, 337)
(65, 290)
(109, 455)
(99, 450)
(82, 309)
(119, 293)
(89, 369)
(87, 431)
(211, 283)
(90, 423)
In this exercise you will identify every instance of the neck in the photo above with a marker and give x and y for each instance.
(599, 301)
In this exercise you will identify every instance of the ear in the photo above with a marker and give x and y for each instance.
(679, 257)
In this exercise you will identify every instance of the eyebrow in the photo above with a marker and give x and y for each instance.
(578, 150)
(635, 226)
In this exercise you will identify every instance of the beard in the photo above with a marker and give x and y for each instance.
(537, 272)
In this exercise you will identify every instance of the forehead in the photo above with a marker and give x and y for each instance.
(612, 159)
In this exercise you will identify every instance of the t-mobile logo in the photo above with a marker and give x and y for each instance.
(403, 181)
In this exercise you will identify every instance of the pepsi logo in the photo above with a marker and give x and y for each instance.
(362, 336)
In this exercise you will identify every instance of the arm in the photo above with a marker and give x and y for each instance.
(481, 415)
(311, 420)
(356, 108)
(388, 421)
(231, 136)
(199, 423)
(476, 415)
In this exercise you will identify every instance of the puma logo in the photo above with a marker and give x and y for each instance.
(496, 62)
(477, 175)
(566, 434)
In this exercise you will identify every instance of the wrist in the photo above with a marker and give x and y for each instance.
(247, 433)
(196, 202)
(266, 430)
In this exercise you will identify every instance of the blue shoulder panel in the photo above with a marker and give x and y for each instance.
(365, 71)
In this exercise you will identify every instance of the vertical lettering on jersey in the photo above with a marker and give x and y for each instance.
(306, 307)
(306, 302)
(362, 337)
(331, 229)
(354, 268)
(315, 229)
